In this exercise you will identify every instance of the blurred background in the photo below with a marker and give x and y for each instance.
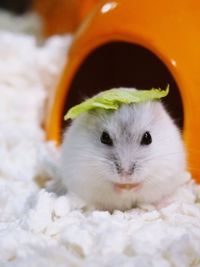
(58, 17)
(16, 6)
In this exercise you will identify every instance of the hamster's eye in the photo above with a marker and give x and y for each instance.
(146, 139)
(106, 139)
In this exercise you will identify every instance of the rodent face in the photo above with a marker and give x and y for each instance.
(137, 144)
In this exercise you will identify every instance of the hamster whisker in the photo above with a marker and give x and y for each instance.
(90, 163)
(164, 155)
(92, 156)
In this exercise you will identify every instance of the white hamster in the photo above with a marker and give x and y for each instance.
(118, 159)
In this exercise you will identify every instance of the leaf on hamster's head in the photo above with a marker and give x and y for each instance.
(113, 98)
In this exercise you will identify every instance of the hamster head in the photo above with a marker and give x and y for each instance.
(116, 159)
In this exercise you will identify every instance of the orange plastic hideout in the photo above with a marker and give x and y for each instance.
(62, 16)
(140, 44)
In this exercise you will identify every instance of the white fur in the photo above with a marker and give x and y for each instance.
(87, 165)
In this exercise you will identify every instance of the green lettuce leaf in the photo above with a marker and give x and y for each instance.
(113, 98)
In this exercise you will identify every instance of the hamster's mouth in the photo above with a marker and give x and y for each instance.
(123, 186)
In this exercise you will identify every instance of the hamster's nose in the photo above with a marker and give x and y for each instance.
(125, 172)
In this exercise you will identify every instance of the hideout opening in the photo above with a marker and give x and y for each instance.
(121, 64)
